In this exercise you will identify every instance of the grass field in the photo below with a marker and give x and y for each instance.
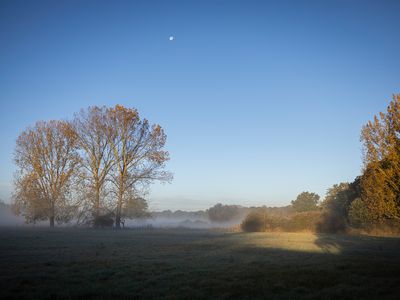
(176, 264)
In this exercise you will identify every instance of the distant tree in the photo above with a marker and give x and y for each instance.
(47, 159)
(381, 179)
(135, 208)
(138, 154)
(97, 160)
(223, 213)
(306, 201)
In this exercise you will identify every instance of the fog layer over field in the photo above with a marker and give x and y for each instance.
(218, 216)
(7, 217)
(165, 219)
(193, 223)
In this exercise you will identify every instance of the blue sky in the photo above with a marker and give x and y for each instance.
(260, 100)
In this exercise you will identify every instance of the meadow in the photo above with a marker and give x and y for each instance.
(42, 263)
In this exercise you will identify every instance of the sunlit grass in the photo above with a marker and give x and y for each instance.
(194, 264)
(305, 242)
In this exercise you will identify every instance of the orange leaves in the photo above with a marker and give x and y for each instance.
(380, 182)
(47, 159)
(109, 148)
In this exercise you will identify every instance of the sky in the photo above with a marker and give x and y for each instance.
(260, 100)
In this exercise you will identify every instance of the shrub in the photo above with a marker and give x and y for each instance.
(104, 221)
(261, 221)
(336, 206)
(303, 221)
(358, 213)
(332, 221)
(254, 222)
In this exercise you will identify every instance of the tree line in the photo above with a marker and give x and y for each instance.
(97, 165)
(373, 198)
(371, 201)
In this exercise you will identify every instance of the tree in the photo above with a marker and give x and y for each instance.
(338, 198)
(47, 159)
(306, 201)
(381, 177)
(135, 208)
(137, 153)
(223, 213)
(336, 205)
(97, 160)
(359, 214)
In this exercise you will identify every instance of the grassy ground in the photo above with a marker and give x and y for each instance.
(171, 264)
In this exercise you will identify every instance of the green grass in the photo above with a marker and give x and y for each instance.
(182, 264)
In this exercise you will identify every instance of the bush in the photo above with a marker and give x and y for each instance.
(332, 221)
(104, 221)
(258, 221)
(358, 214)
(304, 221)
(336, 206)
(254, 222)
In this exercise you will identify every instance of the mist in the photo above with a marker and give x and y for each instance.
(180, 222)
(8, 218)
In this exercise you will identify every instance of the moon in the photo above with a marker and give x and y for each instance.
(171, 38)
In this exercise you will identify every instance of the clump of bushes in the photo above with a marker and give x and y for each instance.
(332, 221)
(304, 221)
(259, 221)
(358, 214)
(254, 222)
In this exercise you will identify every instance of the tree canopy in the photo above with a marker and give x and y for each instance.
(47, 160)
(105, 159)
(306, 201)
(381, 177)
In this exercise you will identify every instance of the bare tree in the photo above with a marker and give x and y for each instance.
(138, 154)
(97, 161)
(47, 160)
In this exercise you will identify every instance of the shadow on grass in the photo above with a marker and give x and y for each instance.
(175, 264)
(348, 244)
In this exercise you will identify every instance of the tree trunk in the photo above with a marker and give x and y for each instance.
(52, 215)
(118, 212)
(118, 221)
(97, 207)
(119, 204)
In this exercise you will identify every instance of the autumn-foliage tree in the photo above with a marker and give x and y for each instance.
(306, 201)
(111, 155)
(138, 154)
(97, 160)
(47, 159)
(381, 179)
